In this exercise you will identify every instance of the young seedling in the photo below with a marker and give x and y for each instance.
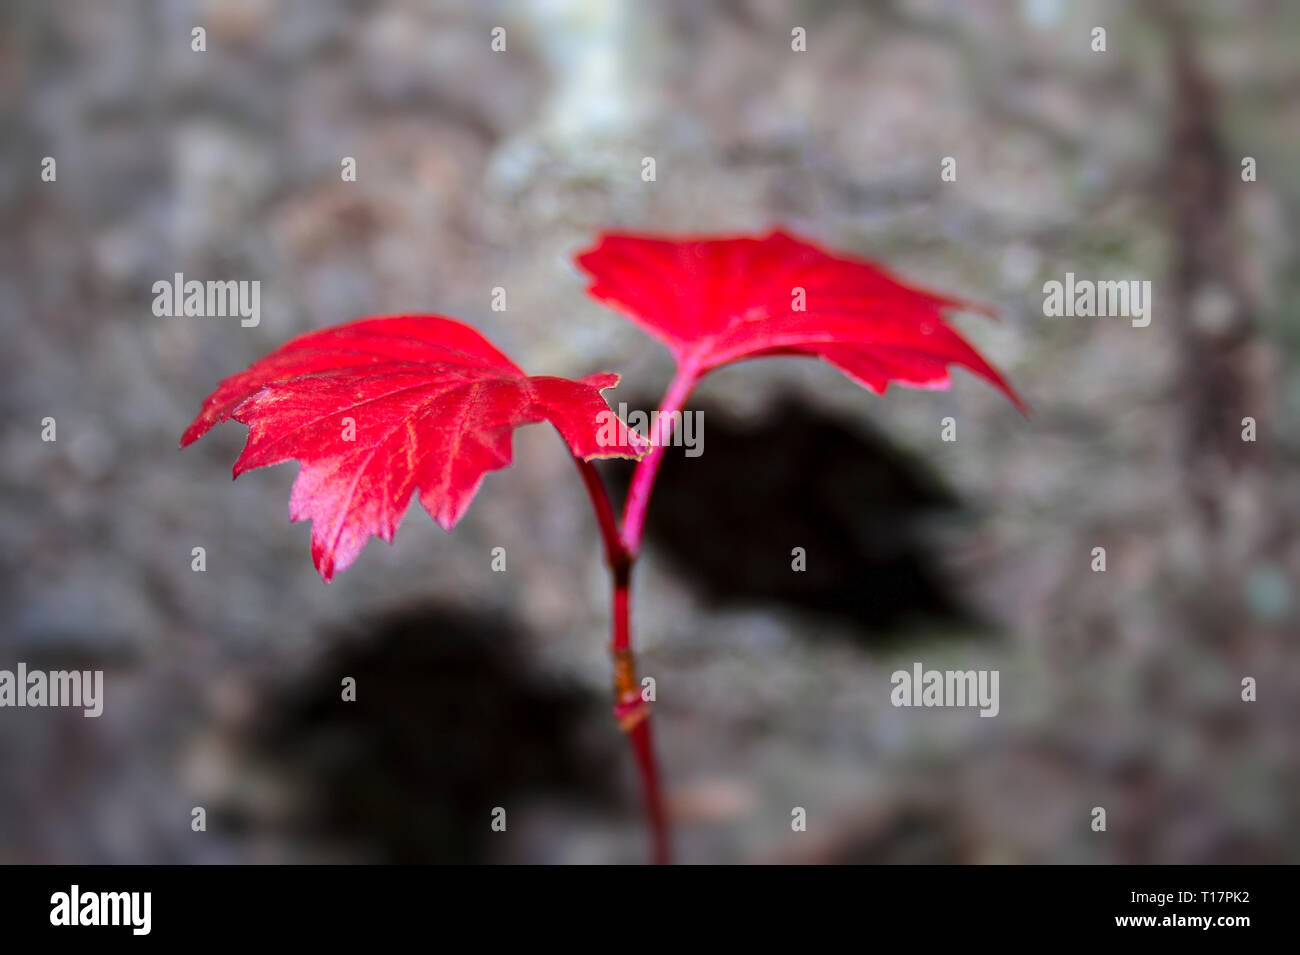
(378, 410)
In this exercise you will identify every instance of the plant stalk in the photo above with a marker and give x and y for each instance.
(621, 549)
(630, 711)
(643, 479)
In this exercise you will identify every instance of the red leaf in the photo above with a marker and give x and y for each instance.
(379, 408)
(714, 301)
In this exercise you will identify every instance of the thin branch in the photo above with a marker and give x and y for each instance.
(638, 496)
(616, 554)
(630, 710)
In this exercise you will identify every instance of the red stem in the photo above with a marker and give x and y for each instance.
(638, 496)
(631, 712)
(615, 552)
(621, 549)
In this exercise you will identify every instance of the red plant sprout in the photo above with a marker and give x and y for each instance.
(382, 409)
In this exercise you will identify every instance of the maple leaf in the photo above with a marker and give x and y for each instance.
(378, 409)
(714, 301)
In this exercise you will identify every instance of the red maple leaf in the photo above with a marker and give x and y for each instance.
(714, 301)
(380, 408)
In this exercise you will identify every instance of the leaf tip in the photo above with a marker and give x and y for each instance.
(602, 381)
(192, 434)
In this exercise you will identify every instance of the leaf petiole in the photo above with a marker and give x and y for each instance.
(631, 711)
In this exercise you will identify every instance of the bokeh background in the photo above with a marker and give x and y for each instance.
(478, 689)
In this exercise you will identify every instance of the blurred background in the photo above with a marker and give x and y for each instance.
(478, 169)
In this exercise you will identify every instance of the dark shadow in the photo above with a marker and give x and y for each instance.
(730, 518)
(449, 721)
